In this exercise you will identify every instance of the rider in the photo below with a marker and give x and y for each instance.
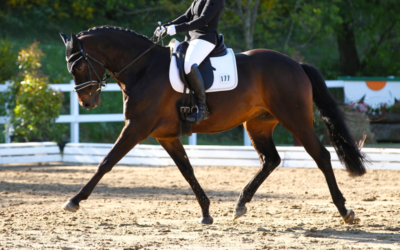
(200, 22)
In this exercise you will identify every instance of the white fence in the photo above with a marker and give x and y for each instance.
(31, 152)
(75, 118)
(151, 155)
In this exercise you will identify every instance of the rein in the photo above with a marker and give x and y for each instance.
(108, 77)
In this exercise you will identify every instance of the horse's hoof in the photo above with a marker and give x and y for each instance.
(69, 206)
(240, 211)
(349, 218)
(206, 220)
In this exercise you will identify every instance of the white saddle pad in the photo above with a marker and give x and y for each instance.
(225, 75)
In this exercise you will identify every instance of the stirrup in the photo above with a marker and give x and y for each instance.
(194, 117)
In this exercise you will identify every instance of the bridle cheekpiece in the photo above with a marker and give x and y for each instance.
(99, 83)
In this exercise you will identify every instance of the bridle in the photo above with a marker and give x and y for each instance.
(100, 83)
(108, 77)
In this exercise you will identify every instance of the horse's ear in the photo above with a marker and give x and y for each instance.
(74, 40)
(65, 38)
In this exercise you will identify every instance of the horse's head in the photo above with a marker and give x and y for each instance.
(86, 71)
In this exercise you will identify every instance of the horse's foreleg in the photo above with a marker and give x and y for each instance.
(260, 133)
(128, 138)
(177, 152)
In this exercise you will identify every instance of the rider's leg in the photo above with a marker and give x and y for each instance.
(198, 50)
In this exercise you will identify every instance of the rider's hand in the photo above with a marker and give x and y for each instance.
(171, 30)
(159, 31)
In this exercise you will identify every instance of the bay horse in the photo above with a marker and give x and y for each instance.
(272, 89)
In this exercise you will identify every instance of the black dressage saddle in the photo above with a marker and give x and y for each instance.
(206, 69)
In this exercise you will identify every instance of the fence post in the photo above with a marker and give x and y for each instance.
(193, 139)
(8, 126)
(246, 138)
(74, 104)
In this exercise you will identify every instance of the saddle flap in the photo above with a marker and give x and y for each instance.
(222, 69)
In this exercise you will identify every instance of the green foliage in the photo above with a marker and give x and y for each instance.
(8, 57)
(111, 103)
(105, 132)
(281, 136)
(2, 135)
(33, 106)
(231, 137)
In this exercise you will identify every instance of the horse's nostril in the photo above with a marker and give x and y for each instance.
(86, 105)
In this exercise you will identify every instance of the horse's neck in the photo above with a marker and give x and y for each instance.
(123, 51)
(132, 49)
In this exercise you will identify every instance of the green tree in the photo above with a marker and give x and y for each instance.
(368, 37)
(33, 106)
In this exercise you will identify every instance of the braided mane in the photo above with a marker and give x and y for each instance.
(108, 27)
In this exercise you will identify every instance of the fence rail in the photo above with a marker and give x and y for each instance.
(30, 152)
(152, 155)
(244, 156)
(74, 118)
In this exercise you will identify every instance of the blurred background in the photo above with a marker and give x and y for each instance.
(355, 38)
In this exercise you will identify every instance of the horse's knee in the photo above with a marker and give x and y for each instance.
(270, 163)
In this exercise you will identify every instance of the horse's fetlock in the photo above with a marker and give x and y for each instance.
(104, 169)
(188, 174)
(339, 203)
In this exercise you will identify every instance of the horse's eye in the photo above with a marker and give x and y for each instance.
(80, 68)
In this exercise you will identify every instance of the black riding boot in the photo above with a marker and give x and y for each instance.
(197, 84)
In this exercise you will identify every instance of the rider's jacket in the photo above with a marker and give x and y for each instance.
(201, 20)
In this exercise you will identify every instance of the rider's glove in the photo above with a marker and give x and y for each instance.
(159, 31)
(171, 30)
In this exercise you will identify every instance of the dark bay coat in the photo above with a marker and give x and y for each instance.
(201, 20)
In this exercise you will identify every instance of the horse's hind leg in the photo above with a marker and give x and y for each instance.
(175, 149)
(260, 132)
(322, 157)
(305, 133)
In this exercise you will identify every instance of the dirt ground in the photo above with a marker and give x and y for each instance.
(153, 208)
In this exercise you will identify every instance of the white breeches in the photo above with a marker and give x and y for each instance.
(198, 51)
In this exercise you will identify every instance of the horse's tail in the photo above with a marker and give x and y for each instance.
(339, 135)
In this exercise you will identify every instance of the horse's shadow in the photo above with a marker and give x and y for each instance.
(350, 234)
(64, 186)
(136, 192)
